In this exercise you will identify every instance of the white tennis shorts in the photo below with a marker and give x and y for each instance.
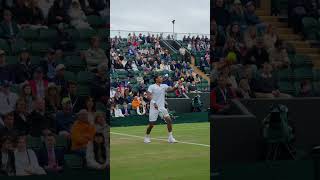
(154, 113)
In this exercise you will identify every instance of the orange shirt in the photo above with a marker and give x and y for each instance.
(81, 134)
(135, 103)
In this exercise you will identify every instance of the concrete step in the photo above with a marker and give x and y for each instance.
(307, 50)
(269, 19)
(279, 24)
(300, 44)
(284, 30)
(261, 12)
(290, 37)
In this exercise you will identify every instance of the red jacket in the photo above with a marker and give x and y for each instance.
(34, 87)
(217, 102)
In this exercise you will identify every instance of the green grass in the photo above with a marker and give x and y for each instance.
(131, 159)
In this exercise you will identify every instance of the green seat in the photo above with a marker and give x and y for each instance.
(303, 73)
(101, 107)
(96, 21)
(300, 60)
(28, 34)
(284, 74)
(11, 60)
(84, 77)
(34, 142)
(316, 87)
(69, 76)
(73, 161)
(286, 87)
(47, 34)
(310, 28)
(75, 64)
(82, 46)
(86, 34)
(316, 75)
(19, 45)
(83, 90)
(39, 48)
(62, 142)
(73, 33)
(5, 46)
(36, 60)
(103, 33)
(171, 95)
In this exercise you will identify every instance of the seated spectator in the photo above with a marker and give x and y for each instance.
(100, 83)
(100, 124)
(50, 157)
(117, 111)
(52, 99)
(95, 55)
(45, 7)
(76, 100)
(270, 37)
(23, 70)
(35, 18)
(65, 118)
(78, 19)
(26, 162)
(135, 103)
(58, 14)
(59, 79)
(9, 29)
(90, 106)
(8, 128)
(7, 159)
(5, 70)
(21, 121)
(220, 14)
(278, 56)
(221, 97)
(180, 91)
(8, 99)
(266, 85)
(82, 132)
(258, 55)
(21, 12)
(38, 83)
(41, 122)
(49, 64)
(250, 37)
(305, 89)
(125, 110)
(251, 17)
(141, 110)
(96, 153)
(26, 94)
(244, 90)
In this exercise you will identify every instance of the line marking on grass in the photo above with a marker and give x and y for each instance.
(141, 137)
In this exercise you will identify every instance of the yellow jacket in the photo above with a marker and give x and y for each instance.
(81, 133)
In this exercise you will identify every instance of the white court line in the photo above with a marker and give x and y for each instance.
(182, 142)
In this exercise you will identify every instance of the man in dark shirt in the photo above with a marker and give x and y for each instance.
(266, 85)
(258, 55)
(76, 100)
(5, 70)
(8, 129)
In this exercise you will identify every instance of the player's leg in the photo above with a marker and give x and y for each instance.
(153, 116)
(165, 115)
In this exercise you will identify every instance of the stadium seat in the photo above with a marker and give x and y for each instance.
(62, 142)
(84, 77)
(310, 28)
(75, 64)
(82, 45)
(300, 60)
(287, 87)
(5, 46)
(28, 34)
(83, 90)
(73, 162)
(34, 142)
(303, 73)
(36, 60)
(39, 48)
(12, 60)
(95, 21)
(284, 74)
(73, 33)
(69, 76)
(47, 34)
(19, 45)
(100, 107)
(86, 34)
(103, 33)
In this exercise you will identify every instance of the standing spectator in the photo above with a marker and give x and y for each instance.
(65, 118)
(82, 132)
(38, 83)
(8, 99)
(41, 123)
(26, 162)
(50, 157)
(95, 55)
(96, 153)
(7, 159)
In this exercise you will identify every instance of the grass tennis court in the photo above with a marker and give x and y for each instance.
(131, 159)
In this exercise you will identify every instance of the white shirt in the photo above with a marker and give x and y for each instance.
(158, 94)
(24, 160)
(7, 102)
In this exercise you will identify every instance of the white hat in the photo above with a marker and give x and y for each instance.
(60, 67)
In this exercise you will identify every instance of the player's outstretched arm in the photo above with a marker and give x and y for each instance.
(175, 87)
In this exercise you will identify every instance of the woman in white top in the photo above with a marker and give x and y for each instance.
(26, 161)
(78, 17)
(118, 112)
(97, 154)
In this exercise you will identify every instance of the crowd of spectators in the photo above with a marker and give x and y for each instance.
(37, 100)
(138, 58)
(245, 55)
